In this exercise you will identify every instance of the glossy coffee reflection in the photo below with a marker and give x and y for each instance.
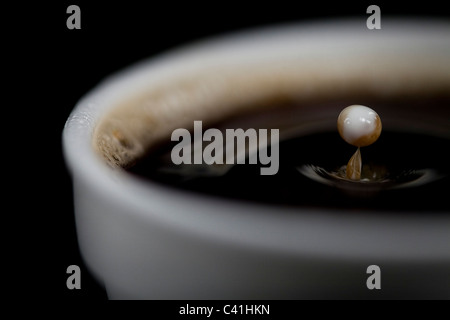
(403, 171)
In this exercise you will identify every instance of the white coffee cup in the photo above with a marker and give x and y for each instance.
(143, 240)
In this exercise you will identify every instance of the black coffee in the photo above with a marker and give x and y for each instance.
(405, 170)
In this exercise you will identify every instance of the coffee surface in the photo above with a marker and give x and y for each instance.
(408, 167)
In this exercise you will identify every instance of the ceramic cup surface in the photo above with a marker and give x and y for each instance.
(143, 240)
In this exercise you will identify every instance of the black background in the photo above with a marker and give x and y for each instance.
(53, 67)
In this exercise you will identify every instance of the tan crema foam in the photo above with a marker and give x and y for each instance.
(133, 125)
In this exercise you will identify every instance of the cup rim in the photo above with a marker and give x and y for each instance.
(258, 226)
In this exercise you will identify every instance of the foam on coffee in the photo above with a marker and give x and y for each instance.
(130, 128)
